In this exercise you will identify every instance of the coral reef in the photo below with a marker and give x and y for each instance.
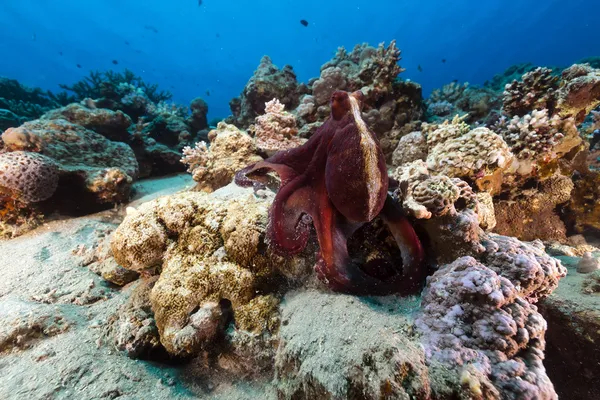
(320, 184)
(267, 83)
(215, 166)
(114, 87)
(473, 103)
(19, 103)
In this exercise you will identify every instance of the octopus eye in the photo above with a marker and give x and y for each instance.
(339, 105)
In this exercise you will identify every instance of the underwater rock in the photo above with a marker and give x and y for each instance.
(213, 257)
(588, 263)
(475, 325)
(318, 357)
(572, 313)
(88, 164)
(133, 328)
(22, 323)
(198, 121)
(112, 125)
(276, 129)
(532, 213)
(215, 166)
(267, 83)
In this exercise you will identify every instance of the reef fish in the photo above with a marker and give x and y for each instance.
(304, 22)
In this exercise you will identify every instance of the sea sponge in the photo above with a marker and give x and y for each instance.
(28, 177)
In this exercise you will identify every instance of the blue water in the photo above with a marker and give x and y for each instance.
(190, 49)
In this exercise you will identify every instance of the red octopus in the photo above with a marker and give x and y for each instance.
(338, 181)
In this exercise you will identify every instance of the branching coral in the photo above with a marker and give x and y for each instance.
(534, 91)
(276, 129)
(105, 84)
(536, 134)
(214, 167)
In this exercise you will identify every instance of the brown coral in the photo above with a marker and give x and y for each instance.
(214, 167)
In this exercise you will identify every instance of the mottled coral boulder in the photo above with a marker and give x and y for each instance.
(87, 162)
(477, 327)
(27, 177)
(198, 120)
(111, 124)
(267, 83)
(213, 262)
(230, 151)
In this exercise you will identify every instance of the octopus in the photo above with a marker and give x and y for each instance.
(338, 182)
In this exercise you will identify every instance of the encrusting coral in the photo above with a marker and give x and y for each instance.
(209, 252)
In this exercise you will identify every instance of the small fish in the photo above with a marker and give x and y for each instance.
(443, 60)
(218, 35)
(127, 43)
(199, 3)
(60, 53)
(420, 68)
(304, 22)
(151, 28)
(208, 92)
(115, 62)
(78, 65)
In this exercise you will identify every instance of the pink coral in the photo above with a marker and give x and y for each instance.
(276, 129)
